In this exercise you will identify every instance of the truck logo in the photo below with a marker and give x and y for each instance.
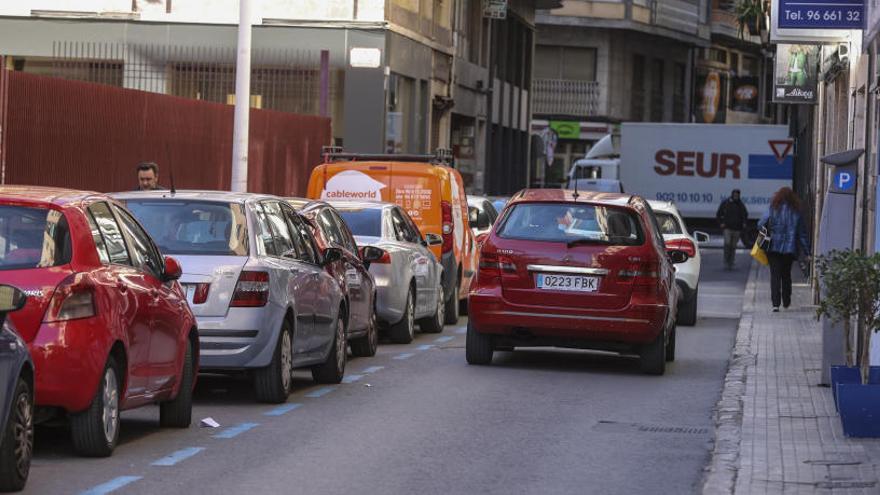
(352, 185)
(778, 165)
(697, 163)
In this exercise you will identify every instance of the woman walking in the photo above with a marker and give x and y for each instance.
(788, 240)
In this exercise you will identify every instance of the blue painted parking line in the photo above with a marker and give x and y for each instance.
(236, 430)
(178, 456)
(111, 486)
(444, 339)
(352, 378)
(320, 392)
(281, 410)
(373, 369)
(405, 355)
(424, 347)
(461, 331)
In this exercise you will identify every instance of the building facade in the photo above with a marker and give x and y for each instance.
(399, 76)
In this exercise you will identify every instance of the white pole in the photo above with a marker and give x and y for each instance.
(242, 100)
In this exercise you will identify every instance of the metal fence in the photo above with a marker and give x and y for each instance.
(566, 97)
(281, 79)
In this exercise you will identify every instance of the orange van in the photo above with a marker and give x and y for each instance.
(426, 187)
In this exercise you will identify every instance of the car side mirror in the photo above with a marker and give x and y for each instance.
(677, 256)
(433, 240)
(370, 254)
(701, 237)
(173, 271)
(332, 255)
(11, 299)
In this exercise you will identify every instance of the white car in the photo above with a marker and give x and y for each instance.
(687, 274)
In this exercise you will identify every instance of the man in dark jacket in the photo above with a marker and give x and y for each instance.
(732, 216)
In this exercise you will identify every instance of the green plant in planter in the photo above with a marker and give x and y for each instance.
(851, 291)
(751, 14)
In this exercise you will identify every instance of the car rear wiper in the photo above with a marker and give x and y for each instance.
(585, 240)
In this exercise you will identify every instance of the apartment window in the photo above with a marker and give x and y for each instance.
(657, 94)
(749, 66)
(716, 55)
(638, 88)
(565, 62)
(679, 89)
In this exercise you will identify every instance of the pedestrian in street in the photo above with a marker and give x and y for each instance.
(148, 176)
(788, 241)
(732, 216)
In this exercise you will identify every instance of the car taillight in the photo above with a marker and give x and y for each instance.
(446, 207)
(200, 296)
(644, 276)
(685, 245)
(491, 266)
(251, 291)
(73, 300)
(385, 259)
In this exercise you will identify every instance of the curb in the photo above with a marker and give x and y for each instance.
(721, 472)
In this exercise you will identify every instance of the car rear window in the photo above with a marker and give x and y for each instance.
(194, 227)
(668, 223)
(568, 222)
(367, 222)
(33, 238)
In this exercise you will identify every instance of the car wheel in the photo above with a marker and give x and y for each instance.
(670, 346)
(333, 369)
(367, 345)
(687, 311)
(434, 324)
(403, 331)
(177, 413)
(95, 431)
(452, 306)
(478, 347)
(18, 440)
(652, 357)
(273, 383)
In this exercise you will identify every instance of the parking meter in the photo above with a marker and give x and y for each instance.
(836, 232)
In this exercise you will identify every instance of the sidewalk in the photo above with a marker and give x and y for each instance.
(777, 431)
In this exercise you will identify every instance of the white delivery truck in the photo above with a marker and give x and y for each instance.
(694, 165)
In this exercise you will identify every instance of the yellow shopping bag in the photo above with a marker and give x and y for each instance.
(759, 255)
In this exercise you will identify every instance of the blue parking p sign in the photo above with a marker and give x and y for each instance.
(844, 180)
(821, 14)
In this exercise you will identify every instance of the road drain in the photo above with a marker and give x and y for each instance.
(839, 485)
(605, 425)
(831, 462)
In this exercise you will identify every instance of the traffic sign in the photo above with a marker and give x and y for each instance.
(844, 180)
(821, 14)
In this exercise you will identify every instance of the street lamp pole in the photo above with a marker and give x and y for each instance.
(242, 100)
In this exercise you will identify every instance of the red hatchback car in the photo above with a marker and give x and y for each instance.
(106, 322)
(580, 270)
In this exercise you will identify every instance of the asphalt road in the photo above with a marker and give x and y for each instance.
(418, 419)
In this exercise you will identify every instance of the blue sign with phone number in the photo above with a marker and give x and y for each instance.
(821, 14)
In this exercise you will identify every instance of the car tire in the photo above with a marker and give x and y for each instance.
(403, 331)
(652, 357)
(18, 440)
(333, 369)
(95, 431)
(434, 324)
(367, 345)
(177, 413)
(670, 346)
(687, 311)
(478, 347)
(272, 384)
(453, 309)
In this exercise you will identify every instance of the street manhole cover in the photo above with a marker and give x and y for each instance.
(605, 425)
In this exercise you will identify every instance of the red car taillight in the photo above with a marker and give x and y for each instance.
(73, 300)
(251, 291)
(491, 266)
(385, 259)
(685, 245)
(446, 207)
(644, 276)
(200, 296)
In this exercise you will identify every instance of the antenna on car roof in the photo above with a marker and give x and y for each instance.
(173, 190)
(575, 195)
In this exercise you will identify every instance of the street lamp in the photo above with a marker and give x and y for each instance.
(242, 100)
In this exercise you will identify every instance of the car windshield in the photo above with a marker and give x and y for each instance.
(33, 238)
(559, 222)
(363, 221)
(194, 227)
(668, 223)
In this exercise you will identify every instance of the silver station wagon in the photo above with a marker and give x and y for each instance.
(256, 282)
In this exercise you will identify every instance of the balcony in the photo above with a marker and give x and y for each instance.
(566, 97)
